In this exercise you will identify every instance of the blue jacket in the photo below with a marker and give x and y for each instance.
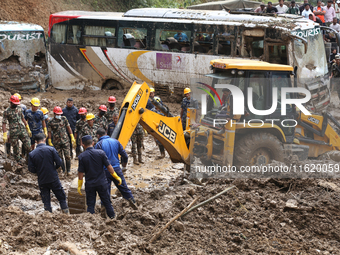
(44, 161)
(72, 116)
(112, 148)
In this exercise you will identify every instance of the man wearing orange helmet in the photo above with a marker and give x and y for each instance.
(79, 126)
(17, 123)
(100, 119)
(112, 109)
(60, 127)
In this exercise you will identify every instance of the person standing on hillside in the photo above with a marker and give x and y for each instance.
(71, 113)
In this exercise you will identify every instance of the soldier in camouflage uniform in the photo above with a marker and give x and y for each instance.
(100, 119)
(79, 126)
(112, 109)
(60, 127)
(90, 128)
(137, 140)
(17, 123)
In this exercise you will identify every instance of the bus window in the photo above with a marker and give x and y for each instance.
(135, 38)
(99, 36)
(172, 40)
(224, 43)
(58, 34)
(277, 54)
(203, 42)
(73, 34)
(257, 48)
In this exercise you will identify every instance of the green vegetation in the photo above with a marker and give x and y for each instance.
(124, 5)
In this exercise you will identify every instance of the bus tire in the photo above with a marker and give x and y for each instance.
(112, 84)
(257, 148)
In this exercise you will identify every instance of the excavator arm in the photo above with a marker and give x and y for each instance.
(166, 129)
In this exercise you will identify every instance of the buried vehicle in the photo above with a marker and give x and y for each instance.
(23, 64)
(263, 132)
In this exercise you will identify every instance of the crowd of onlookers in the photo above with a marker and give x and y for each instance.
(325, 15)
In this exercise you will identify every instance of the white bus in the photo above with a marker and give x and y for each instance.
(22, 57)
(168, 47)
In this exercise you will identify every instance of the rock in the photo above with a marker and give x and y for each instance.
(283, 224)
(329, 185)
(191, 192)
(178, 226)
(291, 203)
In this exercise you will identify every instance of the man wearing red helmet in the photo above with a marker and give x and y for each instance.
(60, 127)
(112, 109)
(79, 126)
(100, 119)
(17, 123)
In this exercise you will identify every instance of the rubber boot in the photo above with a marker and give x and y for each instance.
(140, 160)
(68, 166)
(66, 211)
(133, 203)
(135, 162)
(161, 149)
(8, 148)
(63, 166)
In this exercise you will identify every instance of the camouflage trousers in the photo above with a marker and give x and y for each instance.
(137, 141)
(63, 150)
(26, 143)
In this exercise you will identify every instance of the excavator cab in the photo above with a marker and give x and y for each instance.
(252, 137)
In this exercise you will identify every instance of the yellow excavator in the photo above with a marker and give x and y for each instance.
(227, 144)
(242, 141)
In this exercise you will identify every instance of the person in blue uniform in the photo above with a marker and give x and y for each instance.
(92, 163)
(112, 149)
(44, 161)
(35, 120)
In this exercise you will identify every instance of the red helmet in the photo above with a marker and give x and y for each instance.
(112, 99)
(82, 110)
(103, 108)
(15, 99)
(57, 110)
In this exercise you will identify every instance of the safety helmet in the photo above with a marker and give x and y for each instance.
(187, 90)
(35, 101)
(18, 95)
(90, 116)
(15, 100)
(112, 99)
(103, 108)
(57, 110)
(82, 110)
(44, 110)
(152, 90)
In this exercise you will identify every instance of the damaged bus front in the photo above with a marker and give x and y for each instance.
(23, 64)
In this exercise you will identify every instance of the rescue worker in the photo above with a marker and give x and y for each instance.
(44, 161)
(60, 127)
(13, 115)
(79, 126)
(112, 109)
(46, 118)
(100, 119)
(137, 141)
(8, 144)
(149, 105)
(36, 121)
(226, 110)
(112, 149)
(187, 102)
(90, 128)
(335, 75)
(92, 163)
(113, 124)
(71, 113)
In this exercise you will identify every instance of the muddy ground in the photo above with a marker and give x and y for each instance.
(259, 216)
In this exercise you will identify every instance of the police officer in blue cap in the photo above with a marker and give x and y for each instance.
(92, 162)
(44, 161)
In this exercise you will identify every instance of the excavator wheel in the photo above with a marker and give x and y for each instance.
(256, 149)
